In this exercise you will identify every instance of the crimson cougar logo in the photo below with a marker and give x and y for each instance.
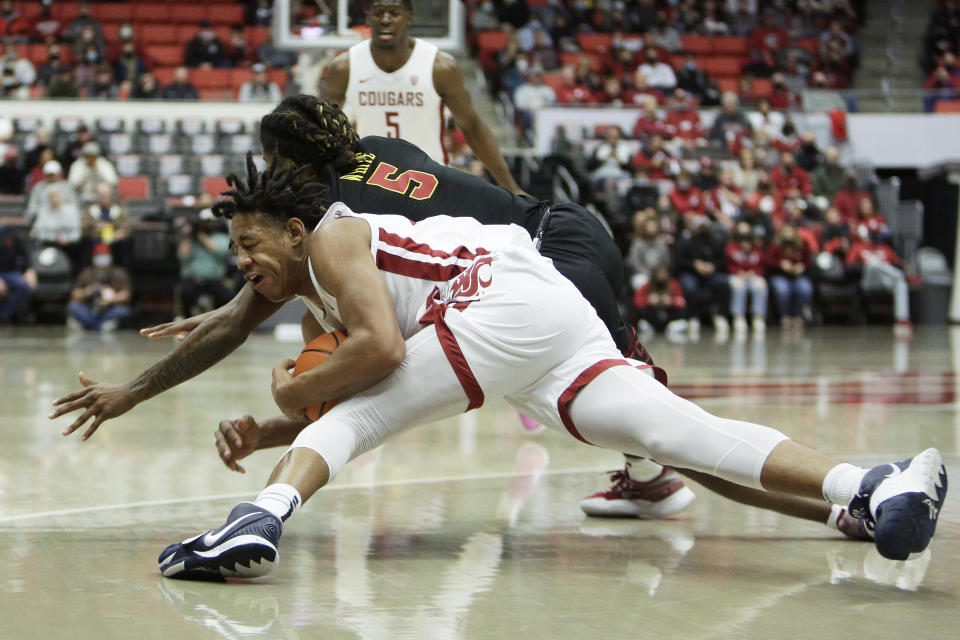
(468, 284)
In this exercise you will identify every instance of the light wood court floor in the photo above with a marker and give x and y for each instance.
(468, 528)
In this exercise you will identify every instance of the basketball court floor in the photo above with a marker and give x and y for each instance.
(467, 528)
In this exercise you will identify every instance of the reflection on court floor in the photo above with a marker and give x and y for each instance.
(467, 528)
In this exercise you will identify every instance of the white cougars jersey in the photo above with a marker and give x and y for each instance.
(438, 259)
(402, 104)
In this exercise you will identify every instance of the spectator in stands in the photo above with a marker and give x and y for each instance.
(847, 199)
(835, 67)
(146, 88)
(790, 180)
(640, 16)
(780, 96)
(543, 52)
(180, 88)
(17, 279)
(828, 178)
(768, 37)
(756, 212)
(706, 179)
(611, 159)
(570, 91)
(879, 265)
(82, 21)
(648, 248)
(642, 193)
(612, 94)
(843, 40)
(730, 124)
(275, 57)
(103, 86)
(11, 173)
(664, 35)
(641, 92)
(508, 74)
(650, 123)
(808, 155)
(52, 181)
(100, 299)
(57, 223)
(41, 142)
(88, 60)
(745, 266)
(484, 17)
(788, 260)
(204, 49)
(726, 199)
(656, 160)
(659, 75)
(129, 66)
(16, 74)
(203, 250)
(74, 146)
(660, 303)
(834, 227)
(876, 224)
(746, 175)
(45, 27)
(108, 222)
(35, 176)
(236, 51)
(692, 78)
(683, 124)
(766, 119)
(53, 67)
(701, 270)
(714, 21)
(90, 171)
(260, 89)
(12, 23)
(531, 96)
(262, 14)
(87, 38)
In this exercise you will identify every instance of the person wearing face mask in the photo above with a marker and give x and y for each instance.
(648, 248)
(203, 250)
(660, 303)
(180, 88)
(100, 299)
(56, 221)
(129, 66)
(690, 77)
(146, 88)
(84, 21)
(52, 67)
(745, 266)
(90, 171)
(686, 198)
(808, 156)
(87, 37)
(847, 199)
(879, 265)
(828, 177)
(659, 74)
(205, 49)
(788, 260)
(701, 269)
(87, 63)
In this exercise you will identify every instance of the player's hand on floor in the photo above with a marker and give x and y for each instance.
(178, 328)
(282, 376)
(236, 439)
(100, 401)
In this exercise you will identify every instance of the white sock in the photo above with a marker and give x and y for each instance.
(841, 483)
(282, 500)
(642, 469)
(833, 520)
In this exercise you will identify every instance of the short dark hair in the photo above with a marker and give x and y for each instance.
(407, 4)
(277, 193)
(310, 131)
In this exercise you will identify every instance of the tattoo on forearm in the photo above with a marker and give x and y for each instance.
(204, 347)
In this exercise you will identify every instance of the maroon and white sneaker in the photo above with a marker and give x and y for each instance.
(663, 496)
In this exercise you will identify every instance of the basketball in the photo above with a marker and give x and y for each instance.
(316, 352)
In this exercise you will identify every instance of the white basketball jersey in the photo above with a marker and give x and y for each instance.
(402, 104)
(421, 261)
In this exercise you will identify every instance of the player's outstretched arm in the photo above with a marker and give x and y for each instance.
(237, 439)
(215, 338)
(449, 83)
(178, 328)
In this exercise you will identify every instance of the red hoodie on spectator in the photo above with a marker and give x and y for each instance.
(577, 93)
(688, 200)
(639, 98)
(796, 178)
(777, 253)
(768, 39)
(848, 204)
(741, 260)
(864, 252)
(656, 164)
(641, 298)
(684, 124)
(647, 127)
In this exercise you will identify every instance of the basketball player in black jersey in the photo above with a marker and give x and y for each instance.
(385, 175)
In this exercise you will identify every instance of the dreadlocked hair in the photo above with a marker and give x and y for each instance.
(310, 131)
(280, 194)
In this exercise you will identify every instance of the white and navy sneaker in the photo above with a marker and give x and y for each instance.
(900, 504)
(244, 547)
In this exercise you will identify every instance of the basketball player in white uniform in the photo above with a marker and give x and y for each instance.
(397, 86)
(437, 301)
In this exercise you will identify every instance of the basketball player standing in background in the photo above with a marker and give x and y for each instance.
(397, 86)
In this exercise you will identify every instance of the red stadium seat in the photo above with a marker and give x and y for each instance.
(730, 46)
(210, 78)
(278, 77)
(164, 75)
(166, 55)
(595, 42)
(214, 95)
(256, 36)
(677, 60)
(239, 76)
(225, 14)
(947, 106)
(722, 66)
(36, 54)
(490, 43)
(700, 45)
(214, 186)
(157, 33)
(111, 31)
(188, 13)
(64, 11)
(112, 11)
(151, 12)
(553, 80)
(185, 33)
(133, 187)
(762, 87)
(728, 84)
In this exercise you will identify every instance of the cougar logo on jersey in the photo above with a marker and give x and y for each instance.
(466, 286)
(390, 98)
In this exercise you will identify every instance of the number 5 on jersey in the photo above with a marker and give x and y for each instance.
(426, 183)
(393, 127)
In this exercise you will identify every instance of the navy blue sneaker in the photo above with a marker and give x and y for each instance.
(245, 547)
(900, 503)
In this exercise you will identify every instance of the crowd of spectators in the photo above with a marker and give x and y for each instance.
(81, 59)
(938, 59)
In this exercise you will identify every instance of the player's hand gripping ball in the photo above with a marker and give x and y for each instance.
(316, 352)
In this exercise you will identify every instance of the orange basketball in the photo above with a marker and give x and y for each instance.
(316, 351)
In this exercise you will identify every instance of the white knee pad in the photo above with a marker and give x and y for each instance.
(345, 432)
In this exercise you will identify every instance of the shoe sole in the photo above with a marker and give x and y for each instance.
(603, 508)
(906, 514)
(246, 556)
